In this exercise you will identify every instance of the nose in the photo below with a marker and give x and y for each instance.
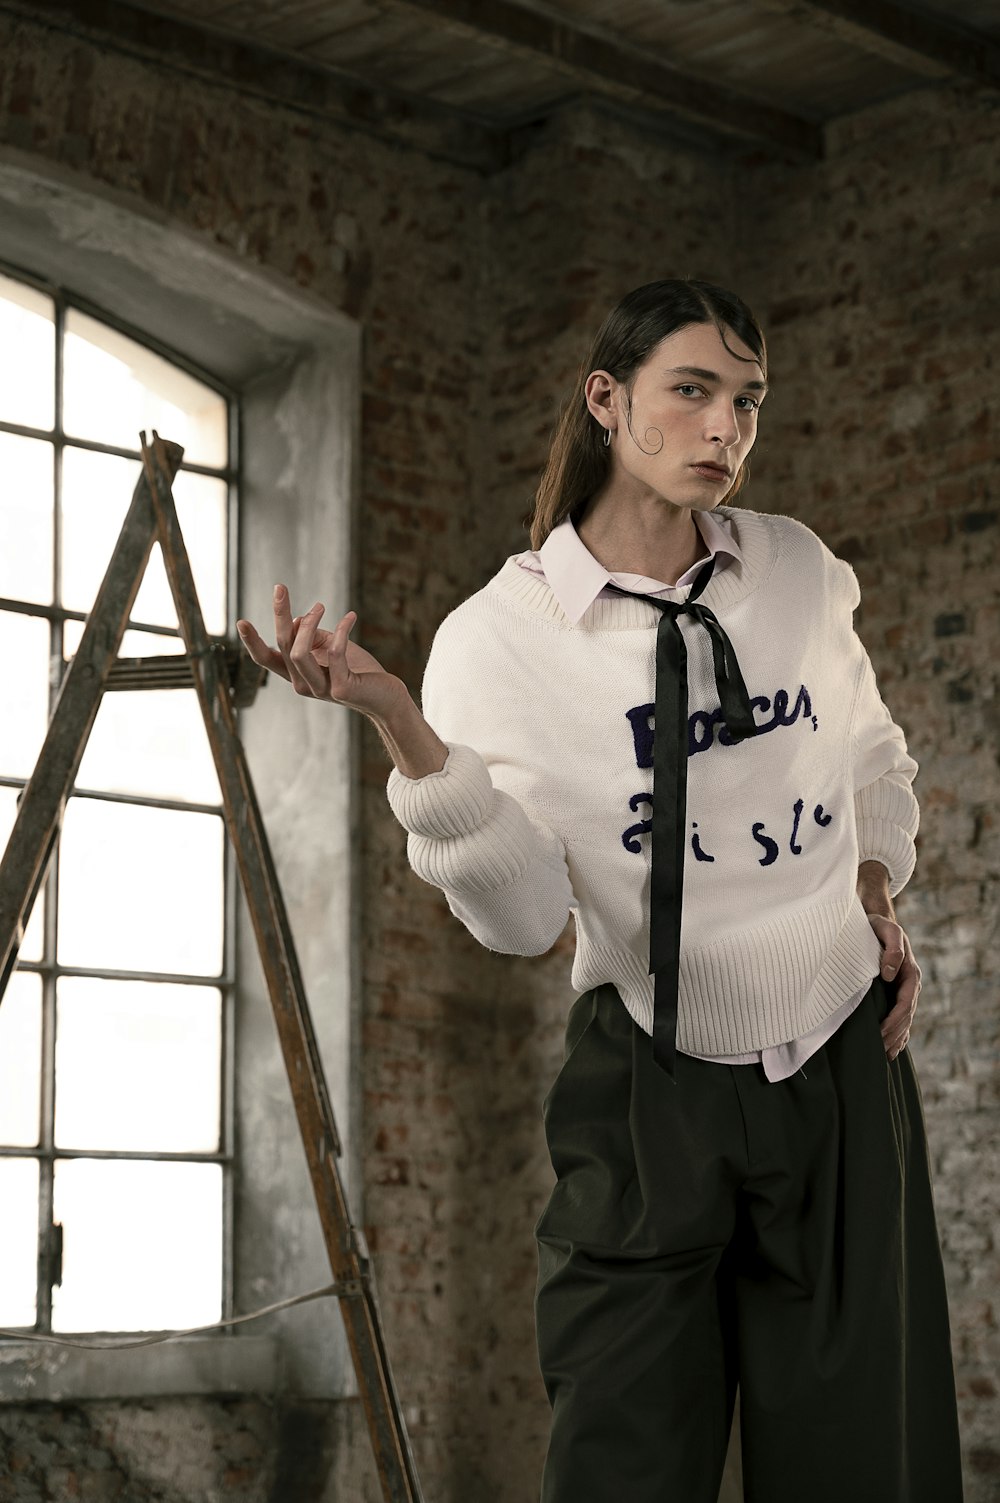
(721, 426)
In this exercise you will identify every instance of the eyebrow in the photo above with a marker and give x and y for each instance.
(696, 370)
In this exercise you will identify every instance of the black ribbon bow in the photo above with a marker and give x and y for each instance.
(670, 758)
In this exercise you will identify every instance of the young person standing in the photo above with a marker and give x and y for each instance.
(660, 719)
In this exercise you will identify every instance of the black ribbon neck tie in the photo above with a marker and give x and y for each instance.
(670, 758)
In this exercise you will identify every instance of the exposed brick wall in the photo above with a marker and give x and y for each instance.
(877, 276)
(870, 272)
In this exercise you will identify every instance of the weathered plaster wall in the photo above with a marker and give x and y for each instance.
(238, 1450)
(477, 298)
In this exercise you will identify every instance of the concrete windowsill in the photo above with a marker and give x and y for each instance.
(35, 1373)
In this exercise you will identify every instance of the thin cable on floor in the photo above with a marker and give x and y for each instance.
(345, 1287)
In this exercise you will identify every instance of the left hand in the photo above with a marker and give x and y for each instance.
(898, 963)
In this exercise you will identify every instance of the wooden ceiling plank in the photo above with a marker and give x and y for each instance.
(603, 65)
(763, 50)
(368, 48)
(292, 24)
(935, 43)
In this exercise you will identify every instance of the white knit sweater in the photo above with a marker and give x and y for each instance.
(544, 804)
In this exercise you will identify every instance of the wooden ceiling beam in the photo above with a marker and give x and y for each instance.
(602, 65)
(911, 38)
(222, 60)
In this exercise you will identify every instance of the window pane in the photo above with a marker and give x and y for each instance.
(20, 1062)
(24, 652)
(114, 387)
(142, 1245)
(27, 384)
(19, 1243)
(135, 643)
(140, 889)
(154, 603)
(137, 1066)
(25, 517)
(151, 742)
(202, 510)
(31, 949)
(97, 492)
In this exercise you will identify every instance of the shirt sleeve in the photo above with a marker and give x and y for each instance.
(887, 815)
(503, 871)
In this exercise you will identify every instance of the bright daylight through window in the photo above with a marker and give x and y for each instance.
(115, 1097)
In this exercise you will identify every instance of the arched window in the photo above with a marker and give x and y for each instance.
(116, 1095)
(150, 298)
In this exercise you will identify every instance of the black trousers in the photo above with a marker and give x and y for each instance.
(730, 1230)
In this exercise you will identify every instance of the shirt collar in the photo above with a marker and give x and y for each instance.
(576, 578)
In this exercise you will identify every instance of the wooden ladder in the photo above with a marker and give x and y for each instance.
(211, 665)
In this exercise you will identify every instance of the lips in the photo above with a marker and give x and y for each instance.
(707, 464)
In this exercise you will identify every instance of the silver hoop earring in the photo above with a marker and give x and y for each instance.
(607, 438)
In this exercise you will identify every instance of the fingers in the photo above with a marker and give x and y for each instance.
(284, 631)
(287, 632)
(302, 645)
(892, 958)
(283, 628)
(301, 657)
(893, 942)
(898, 1022)
(895, 1046)
(896, 1030)
(258, 649)
(336, 656)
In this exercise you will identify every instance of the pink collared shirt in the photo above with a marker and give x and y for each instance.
(576, 578)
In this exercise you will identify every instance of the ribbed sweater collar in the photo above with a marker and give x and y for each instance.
(758, 543)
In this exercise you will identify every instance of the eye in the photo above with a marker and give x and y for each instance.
(754, 404)
(688, 386)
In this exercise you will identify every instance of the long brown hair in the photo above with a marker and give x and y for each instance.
(578, 462)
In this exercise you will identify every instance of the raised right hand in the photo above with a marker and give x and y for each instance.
(323, 664)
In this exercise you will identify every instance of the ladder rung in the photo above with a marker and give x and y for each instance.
(173, 671)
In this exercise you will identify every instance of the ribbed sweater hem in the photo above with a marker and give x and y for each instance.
(753, 989)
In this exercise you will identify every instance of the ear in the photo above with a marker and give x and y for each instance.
(600, 393)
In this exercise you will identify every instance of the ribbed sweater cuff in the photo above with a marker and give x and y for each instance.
(453, 801)
(878, 840)
(887, 817)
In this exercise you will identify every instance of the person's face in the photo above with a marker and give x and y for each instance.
(692, 402)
